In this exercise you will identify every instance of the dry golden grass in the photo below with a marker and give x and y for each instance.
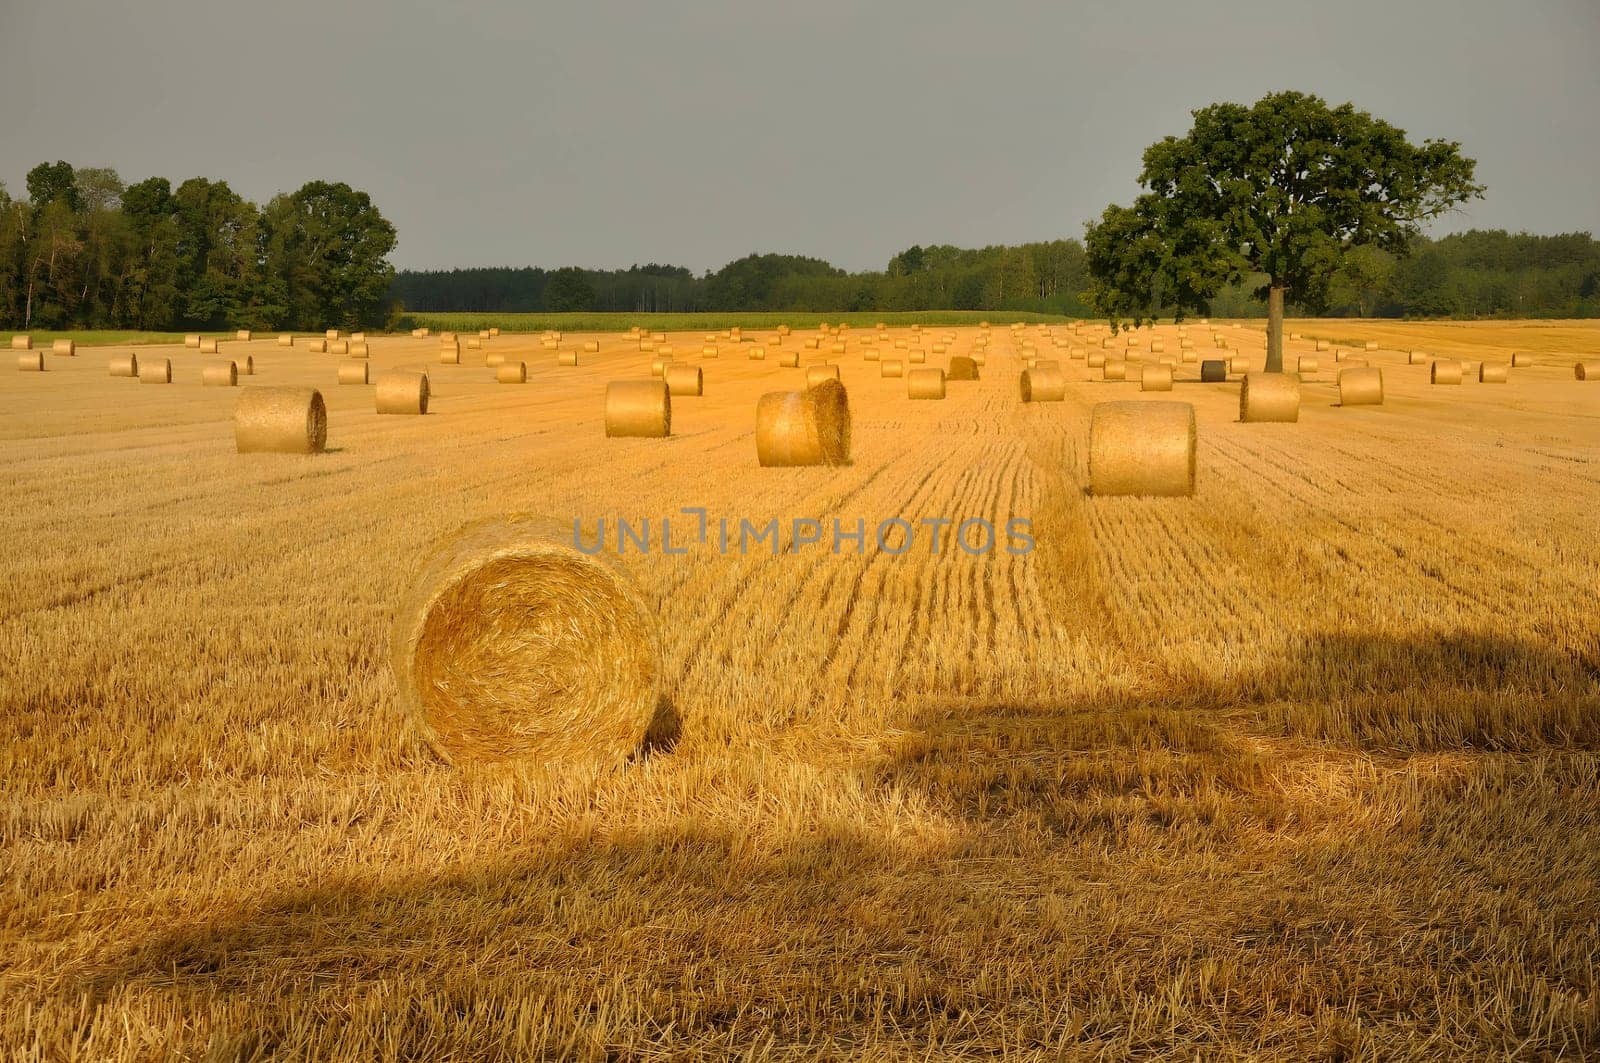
(1305, 766)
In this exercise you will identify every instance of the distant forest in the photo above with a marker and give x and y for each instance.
(1480, 273)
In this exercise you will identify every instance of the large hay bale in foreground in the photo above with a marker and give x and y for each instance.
(1156, 378)
(400, 391)
(891, 367)
(810, 427)
(684, 379)
(155, 371)
(64, 348)
(125, 365)
(220, 375)
(816, 374)
(1445, 371)
(638, 408)
(1142, 448)
(925, 384)
(962, 368)
(1361, 387)
(1043, 385)
(280, 420)
(1493, 373)
(31, 362)
(1267, 397)
(511, 373)
(1213, 371)
(1586, 370)
(512, 645)
(353, 373)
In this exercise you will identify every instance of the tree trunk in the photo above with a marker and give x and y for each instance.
(1275, 329)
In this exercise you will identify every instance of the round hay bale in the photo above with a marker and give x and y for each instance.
(900, 345)
(664, 350)
(474, 343)
(246, 365)
(512, 645)
(1238, 365)
(708, 351)
(494, 359)
(962, 368)
(31, 362)
(1097, 360)
(285, 339)
(483, 334)
(1520, 360)
(789, 359)
(210, 347)
(511, 373)
(811, 344)
(1157, 347)
(449, 353)
(192, 341)
(567, 358)
(1493, 373)
(1142, 448)
(638, 408)
(125, 365)
(938, 348)
(757, 354)
(891, 367)
(65, 348)
(155, 371)
(838, 348)
(1361, 387)
(810, 427)
(925, 384)
(591, 346)
(916, 356)
(280, 421)
(495, 331)
(647, 346)
(658, 366)
(1307, 366)
(1371, 345)
(816, 374)
(243, 334)
(1323, 345)
(1213, 371)
(353, 373)
(22, 343)
(337, 347)
(1115, 369)
(1267, 397)
(684, 379)
(401, 391)
(1445, 371)
(332, 334)
(317, 346)
(1043, 385)
(1156, 378)
(1417, 358)
(220, 375)
(359, 350)
(1586, 370)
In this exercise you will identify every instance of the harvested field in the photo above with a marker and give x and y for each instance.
(1304, 766)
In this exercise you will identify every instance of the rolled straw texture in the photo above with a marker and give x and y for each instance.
(1142, 448)
(638, 408)
(280, 420)
(810, 427)
(401, 391)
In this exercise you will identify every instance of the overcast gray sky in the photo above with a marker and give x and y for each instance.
(601, 134)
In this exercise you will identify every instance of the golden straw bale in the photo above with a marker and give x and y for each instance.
(810, 427)
(811, 344)
(280, 420)
(789, 359)
(31, 362)
(591, 346)
(1142, 448)
(285, 339)
(1445, 371)
(816, 374)
(962, 368)
(449, 354)
(483, 334)
(925, 384)
(338, 347)
(242, 334)
(155, 371)
(474, 343)
(708, 351)
(1156, 378)
(1417, 358)
(210, 347)
(1520, 360)
(1361, 387)
(192, 341)
(684, 379)
(513, 645)
(511, 373)
(331, 334)
(1371, 345)
(549, 343)
(65, 348)
(757, 353)
(353, 373)
(125, 365)
(22, 343)
(1115, 369)
(658, 366)
(246, 365)
(1307, 365)
(1323, 345)
(659, 337)
(220, 375)
(567, 358)
(1043, 385)
(317, 346)
(494, 330)
(1493, 373)
(838, 348)
(1213, 370)
(494, 359)
(647, 346)
(916, 356)
(400, 391)
(1269, 397)
(1586, 370)
(638, 408)
(891, 367)
(1097, 360)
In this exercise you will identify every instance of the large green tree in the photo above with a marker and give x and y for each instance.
(327, 246)
(1283, 188)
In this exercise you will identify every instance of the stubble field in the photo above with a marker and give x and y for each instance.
(1307, 765)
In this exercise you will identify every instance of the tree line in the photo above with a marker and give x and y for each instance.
(1479, 273)
(86, 250)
